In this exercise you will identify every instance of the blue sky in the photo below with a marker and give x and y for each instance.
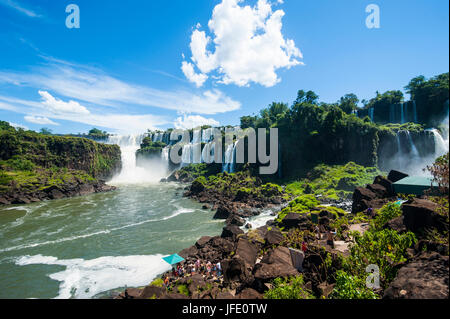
(121, 71)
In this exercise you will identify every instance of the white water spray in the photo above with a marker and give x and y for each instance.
(149, 172)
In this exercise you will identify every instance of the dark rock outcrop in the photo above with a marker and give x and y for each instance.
(425, 277)
(420, 214)
(231, 231)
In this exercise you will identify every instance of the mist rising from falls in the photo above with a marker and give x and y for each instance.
(148, 172)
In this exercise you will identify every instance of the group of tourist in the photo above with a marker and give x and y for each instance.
(206, 269)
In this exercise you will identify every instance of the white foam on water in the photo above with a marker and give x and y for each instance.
(83, 279)
(260, 220)
(151, 172)
(178, 212)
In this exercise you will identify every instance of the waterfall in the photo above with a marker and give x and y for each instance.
(391, 114)
(415, 111)
(197, 136)
(414, 150)
(131, 173)
(229, 160)
(186, 156)
(441, 145)
(402, 112)
(371, 110)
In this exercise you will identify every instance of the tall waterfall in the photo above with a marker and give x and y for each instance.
(371, 110)
(151, 172)
(229, 159)
(441, 145)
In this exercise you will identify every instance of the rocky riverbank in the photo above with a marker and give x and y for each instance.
(264, 262)
(71, 188)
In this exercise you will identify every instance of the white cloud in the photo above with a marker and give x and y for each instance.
(248, 45)
(39, 120)
(188, 70)
(15, 5)
(15, 125)
(120, 123)
(59, 106)
(193, 121)
(94, 86)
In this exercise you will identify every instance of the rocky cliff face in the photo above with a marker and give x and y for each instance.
(98, 160)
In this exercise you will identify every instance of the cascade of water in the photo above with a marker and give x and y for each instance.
(415, 111)
(165, 154)
(391, 114)
(207, 135)
(197, 136)
(402, 113)
(186, 156)
(441, 146)
(196, 150)
(131, 173)
(229, 158)
(371, 110)
(414, 150)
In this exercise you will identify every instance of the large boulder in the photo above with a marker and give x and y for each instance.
(152, 292)
(246, 250)
(202, 241)
(425, 277)
(293, 220)
(235, 270)
(379, 190)
(278, 263)
(235, 220)
(249, 294)
(231, 231)
(396, 224)
(421, 214)
(274, 237)
(386, 183)
(189, 252)
(222, 213)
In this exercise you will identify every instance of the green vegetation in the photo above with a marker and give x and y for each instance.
(292, 288)
(150, 148)
(241, 185)
(385, 214)
(158, 282)
(351, 287)
(46, 151)
(333, 182)
(32, 162)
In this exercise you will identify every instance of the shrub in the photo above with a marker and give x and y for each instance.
(385, 214)
(351, 287)
(291, 288)
(384, 248)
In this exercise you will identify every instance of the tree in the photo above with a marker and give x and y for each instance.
(46, 131)
(349, 103)
(306, 97)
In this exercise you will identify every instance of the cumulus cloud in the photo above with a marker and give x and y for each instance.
(192, 121)
(188, 70)
(39, 120)
(59, 106)
(246, 43)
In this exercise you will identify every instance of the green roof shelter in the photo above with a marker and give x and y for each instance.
(416, 185)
